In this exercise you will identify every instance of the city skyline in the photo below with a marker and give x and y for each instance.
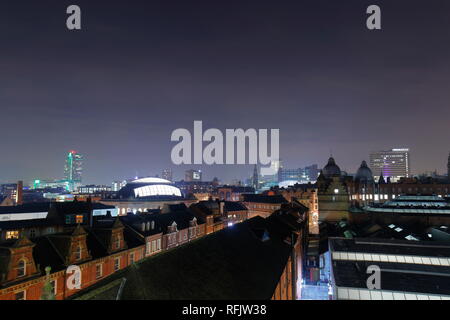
(118, 87)
(180, 173)
(185, 152)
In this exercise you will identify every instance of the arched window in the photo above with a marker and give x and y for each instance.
(22, 268)
(78, 253)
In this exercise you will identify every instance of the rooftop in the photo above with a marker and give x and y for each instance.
(260, 198)
(418, 268)
(228, 264)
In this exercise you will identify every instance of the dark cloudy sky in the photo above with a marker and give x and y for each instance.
(137, 70)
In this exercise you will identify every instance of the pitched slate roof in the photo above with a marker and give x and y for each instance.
(234, 206)
(260, 198)
(234, 263)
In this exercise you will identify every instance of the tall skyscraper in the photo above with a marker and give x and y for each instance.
(74, 167)
(394, 163)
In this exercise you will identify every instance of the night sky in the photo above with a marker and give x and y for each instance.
(138, 70)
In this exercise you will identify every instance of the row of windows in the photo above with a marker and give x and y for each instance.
(32, 233)
(262, 206)
(153, 246)
(21, 270)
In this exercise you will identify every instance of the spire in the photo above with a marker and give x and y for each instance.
(255, 181)
(381, 180)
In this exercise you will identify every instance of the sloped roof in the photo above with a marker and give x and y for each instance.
(261, 198)
(233, 263)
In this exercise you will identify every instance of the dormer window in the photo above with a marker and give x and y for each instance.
(21, 268)
(148, 226)
(78, 253)
(153, 225)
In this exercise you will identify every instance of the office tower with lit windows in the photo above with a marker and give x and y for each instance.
(394, 163)
(74, 167)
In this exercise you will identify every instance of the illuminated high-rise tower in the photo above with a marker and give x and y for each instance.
(74, 167)
(393, 163)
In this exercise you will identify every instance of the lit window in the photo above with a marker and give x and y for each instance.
(53, 286)
(79, 219)
(116, 264)
(21, 268)
(13, 234)
(158, 244)
(98, 271)
(117, 242)
(20, 295)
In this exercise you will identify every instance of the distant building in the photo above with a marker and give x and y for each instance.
(167, 174)
(144, 194)
(195, 187)
(9, 190)
(219, 214)
(94, 189)
(193, 175)
(333, 193)
(73, 169)
(262, 205)
(117, 185)
(52, 184)
(299, 175)
(394, 163)
(232, 193)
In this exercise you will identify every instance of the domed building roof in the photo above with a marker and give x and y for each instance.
(151, 180)
(331, 169)
(364, 173)
(147, 188)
